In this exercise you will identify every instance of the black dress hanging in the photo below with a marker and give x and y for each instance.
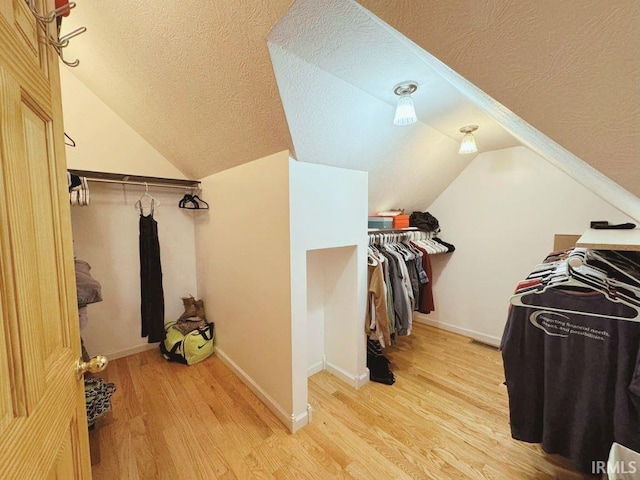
(151, 293)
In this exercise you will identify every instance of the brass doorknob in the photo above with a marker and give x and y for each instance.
(95, 365)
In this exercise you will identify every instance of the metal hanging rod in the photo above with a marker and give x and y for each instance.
(126, 179)
(392, 230)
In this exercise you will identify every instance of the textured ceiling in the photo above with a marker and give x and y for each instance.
(571, 69)
(341, 114)
(334, 123)
(347, 41)
(196, 81)
(194, 78)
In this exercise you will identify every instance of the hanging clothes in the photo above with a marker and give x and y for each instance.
(572, 357)
(426, 303)
(151, 293)
(405, 272)
(377, 320)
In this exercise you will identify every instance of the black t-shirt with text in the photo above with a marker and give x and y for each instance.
(573, 378)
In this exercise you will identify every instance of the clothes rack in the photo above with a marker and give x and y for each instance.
(571, 353)
(399, 279)
(127, 179)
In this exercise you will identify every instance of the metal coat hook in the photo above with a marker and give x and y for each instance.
(64, 41)
(43, 20)
(53, 14)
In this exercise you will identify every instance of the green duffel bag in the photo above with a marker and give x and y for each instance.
(191, 348)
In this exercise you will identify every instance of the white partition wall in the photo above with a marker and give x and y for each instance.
(328, 217)
(265, 216)
(243, 247)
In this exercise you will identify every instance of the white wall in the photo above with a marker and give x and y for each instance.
(244, 274)
(105, 234)
(252, 249)
(501, 213)
(332, 287)
(316, 295)
(104, 142)
(328, 208)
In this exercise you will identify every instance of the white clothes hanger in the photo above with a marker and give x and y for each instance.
(146, 196)
(583, 255)
(564, 276)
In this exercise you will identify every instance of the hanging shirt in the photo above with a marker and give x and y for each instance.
(426, 294)
(377, 321)
(573, 379)
(401, 306)
(403, 291)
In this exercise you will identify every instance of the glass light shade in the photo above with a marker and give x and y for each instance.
(405, 112)
(468, 144)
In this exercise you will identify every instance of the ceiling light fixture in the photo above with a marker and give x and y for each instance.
(405, 111)
(468, 144)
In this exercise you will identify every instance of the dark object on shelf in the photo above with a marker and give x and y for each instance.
(424, 221)
(604, 225)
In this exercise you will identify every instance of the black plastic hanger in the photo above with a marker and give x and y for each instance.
(188, 202)
(71, 142)
(197, 199)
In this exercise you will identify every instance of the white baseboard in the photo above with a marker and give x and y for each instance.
(356, 381)
(481, 337)
(292, 421)
(315, 368)
(132, 351)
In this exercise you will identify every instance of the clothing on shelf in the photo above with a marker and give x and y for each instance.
(571, 352)
(151, 293)
(399, 279)
(78, 190)
(88, 290)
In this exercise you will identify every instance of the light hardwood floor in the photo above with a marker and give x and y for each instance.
(446, 417)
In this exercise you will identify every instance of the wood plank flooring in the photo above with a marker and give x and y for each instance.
(446, 417)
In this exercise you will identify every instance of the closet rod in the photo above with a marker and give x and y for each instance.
(126, 179)
(373, 231)
(150, 184)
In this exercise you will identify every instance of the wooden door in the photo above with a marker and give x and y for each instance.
(43, 426)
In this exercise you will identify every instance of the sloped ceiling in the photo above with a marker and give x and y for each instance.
(336, 66)
(195, 78)
(571, 69)
(192, 77)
